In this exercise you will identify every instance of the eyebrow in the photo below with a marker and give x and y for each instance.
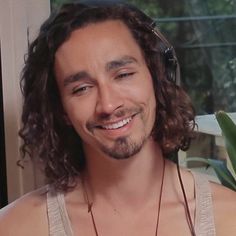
(123, 61)
(112, 65)
(82, 75)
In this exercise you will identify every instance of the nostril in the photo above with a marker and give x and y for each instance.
(104, 116)
(109, 99)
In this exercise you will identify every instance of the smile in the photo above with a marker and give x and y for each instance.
(117, 125)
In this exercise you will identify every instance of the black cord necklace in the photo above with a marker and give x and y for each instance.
(90, 204)
(189, 219)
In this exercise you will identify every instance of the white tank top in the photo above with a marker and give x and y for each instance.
(59, 222)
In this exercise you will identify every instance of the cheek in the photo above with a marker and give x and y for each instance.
(76, 114)
(147, 97)
(148, 90)
(143, 92)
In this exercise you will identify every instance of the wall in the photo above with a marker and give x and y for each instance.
(19, 21)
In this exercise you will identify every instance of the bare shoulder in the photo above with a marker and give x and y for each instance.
(224, 202)
(25, 216)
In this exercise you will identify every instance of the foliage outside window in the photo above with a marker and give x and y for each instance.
(203, 33)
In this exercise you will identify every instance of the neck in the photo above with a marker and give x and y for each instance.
(136, 180)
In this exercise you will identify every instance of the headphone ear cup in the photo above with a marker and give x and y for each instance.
(171, 64)
(169, 57)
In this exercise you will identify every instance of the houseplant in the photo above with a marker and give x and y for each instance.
(227, 177)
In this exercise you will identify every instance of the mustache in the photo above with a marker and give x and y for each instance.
(104, 117)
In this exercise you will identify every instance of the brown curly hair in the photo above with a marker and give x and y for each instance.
(45, 134)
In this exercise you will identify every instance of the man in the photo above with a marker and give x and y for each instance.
(102, 111)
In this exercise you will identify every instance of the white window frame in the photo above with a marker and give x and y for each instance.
(19, 21)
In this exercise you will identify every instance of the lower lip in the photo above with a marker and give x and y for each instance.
(119, 131)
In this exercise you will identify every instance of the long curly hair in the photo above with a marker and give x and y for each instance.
(45, 134)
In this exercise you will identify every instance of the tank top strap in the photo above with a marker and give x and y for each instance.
(204, 216)
(58, 219)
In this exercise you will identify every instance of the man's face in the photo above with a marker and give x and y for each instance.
(106, 89)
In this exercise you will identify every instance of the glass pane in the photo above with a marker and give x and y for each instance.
(203, 33)
(55, 4)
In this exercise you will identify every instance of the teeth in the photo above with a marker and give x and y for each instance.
(118, 124)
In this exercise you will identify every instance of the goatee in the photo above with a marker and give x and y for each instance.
(123, 148)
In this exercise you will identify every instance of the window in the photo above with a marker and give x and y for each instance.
(203, 34)
(3, 179)
(23, 19)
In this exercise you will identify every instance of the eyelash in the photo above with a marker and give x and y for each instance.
(124, 75)
(83, 89)
(80, 90)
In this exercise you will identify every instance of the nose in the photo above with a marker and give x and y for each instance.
(109, 99)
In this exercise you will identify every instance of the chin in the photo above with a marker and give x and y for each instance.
(123, 148)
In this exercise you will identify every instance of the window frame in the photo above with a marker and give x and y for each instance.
(19, 21)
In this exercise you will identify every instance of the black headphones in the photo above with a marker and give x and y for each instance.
(169, 56)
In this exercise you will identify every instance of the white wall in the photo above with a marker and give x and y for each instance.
(17, 17)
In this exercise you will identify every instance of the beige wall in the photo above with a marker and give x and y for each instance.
(19, 21)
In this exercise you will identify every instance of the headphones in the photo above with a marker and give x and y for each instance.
(169, 55)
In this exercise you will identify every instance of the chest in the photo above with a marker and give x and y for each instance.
(172, 220)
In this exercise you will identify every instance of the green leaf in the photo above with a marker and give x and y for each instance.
(222, 172)
(229, 132)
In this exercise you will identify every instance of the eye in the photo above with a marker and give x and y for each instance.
(81, 90)
(124, 75)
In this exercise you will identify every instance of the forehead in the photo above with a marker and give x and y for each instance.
(104, 29)
(109, 37)
(90, 48)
